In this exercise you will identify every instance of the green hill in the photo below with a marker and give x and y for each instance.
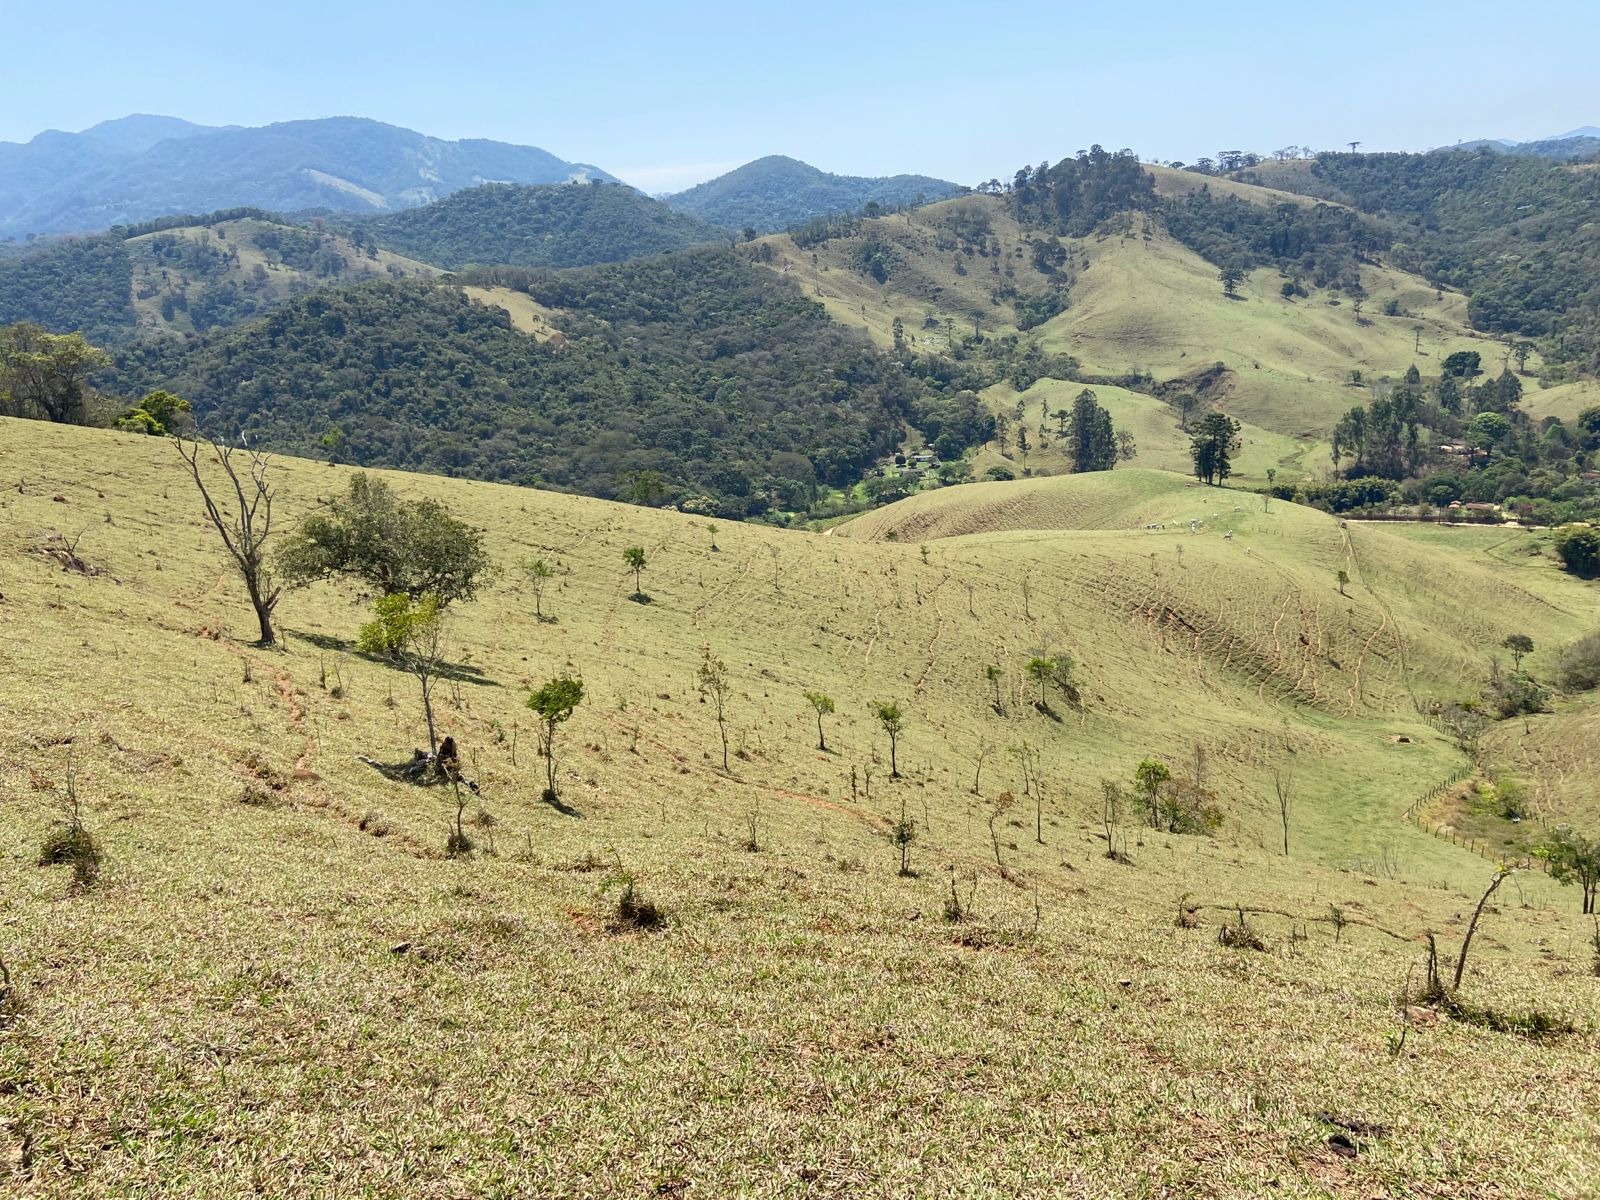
(282, 977)
(1130, 302)
(566, 225)
(776, 193)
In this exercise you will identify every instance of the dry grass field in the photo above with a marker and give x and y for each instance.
(282, 985)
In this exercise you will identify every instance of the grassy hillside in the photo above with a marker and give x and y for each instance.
(269, 990)
(1136, 301)
(564, 225)
(1162, 445)
(776, 193)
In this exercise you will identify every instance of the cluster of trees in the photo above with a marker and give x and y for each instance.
(1463, 436)
(1077, 194)
(1212, 444)
(1093, 442)
(548, 225)
(1320, 243)
(46, 376)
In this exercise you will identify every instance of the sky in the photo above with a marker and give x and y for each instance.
(664, 95)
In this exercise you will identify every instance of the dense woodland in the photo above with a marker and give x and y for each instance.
(560, 225)
(696, 379)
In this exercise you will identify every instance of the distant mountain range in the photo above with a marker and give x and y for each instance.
(1583, 142)
(778, 193)
(142, 167)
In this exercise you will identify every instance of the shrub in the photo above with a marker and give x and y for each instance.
(1579, 549)
(1240, 936)
(1578, 665)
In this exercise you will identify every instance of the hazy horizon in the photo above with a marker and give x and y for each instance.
(666, 99)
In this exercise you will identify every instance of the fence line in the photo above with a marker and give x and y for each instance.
(1478, 846)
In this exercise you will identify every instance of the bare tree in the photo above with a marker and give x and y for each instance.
(1283, 787)
(1500, 876)
(245, 528)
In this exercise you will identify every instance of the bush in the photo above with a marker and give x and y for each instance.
(1579, 549)
(1578, 665)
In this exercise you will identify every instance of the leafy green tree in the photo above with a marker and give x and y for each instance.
(1463, 364)
(823, 704)
(412, 634)
(1488, 431)
(1343, 578)
(413, 548)
(1041, 670)
(1091, 438)
(46, 375)
(156, 414)
(633, 556)
(1231, 277)
(892, 719)
(554, 703)
(1589, 422)
(1149, 777)
(539, 574)
(1573, 858)
(1519, 644)
(1215, 441)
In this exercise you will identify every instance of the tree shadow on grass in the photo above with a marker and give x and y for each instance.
(560, 805)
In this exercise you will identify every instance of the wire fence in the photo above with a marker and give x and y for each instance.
(1444, 831)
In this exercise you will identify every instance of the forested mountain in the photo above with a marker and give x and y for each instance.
(186, 274)
(140, 168)
(560, 225)
(693, 378)
(776, 193)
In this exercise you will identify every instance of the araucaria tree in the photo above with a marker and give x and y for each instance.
(412, 634)
(1215, 441)
(894, 723)
(823, 703)
(244, 524)
(716, 686)
(1091, 438)
(413, 548)
(554, 703)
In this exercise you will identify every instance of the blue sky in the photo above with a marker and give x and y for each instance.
(664, 94)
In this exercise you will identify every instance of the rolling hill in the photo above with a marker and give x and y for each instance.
(1129, 300)
(281, 973)
(140, 168)
(777, 193)
(561, 225)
